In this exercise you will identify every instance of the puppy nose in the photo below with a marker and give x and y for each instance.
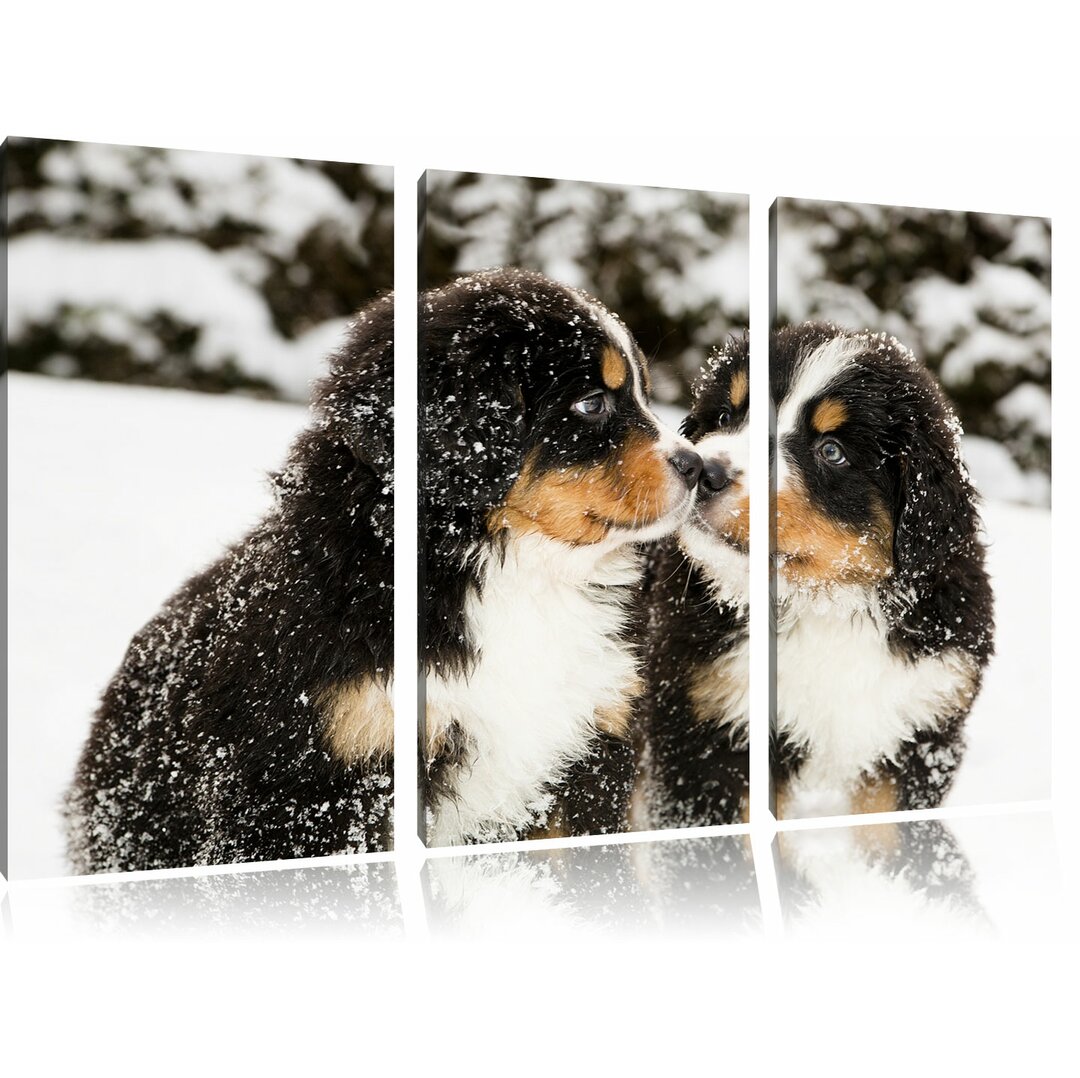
(714, 476)
(688, 464)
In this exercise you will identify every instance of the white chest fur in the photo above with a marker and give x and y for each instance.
(545, 627)
(848, 700)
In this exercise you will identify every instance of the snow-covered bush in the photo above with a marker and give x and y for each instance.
(673, 264)
(969, 293)
(172, 267)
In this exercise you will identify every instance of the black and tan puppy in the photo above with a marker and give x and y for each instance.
(542, 470)
(250, 719)
(884, 612)
(693, 752)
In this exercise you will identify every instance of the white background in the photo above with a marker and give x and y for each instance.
(911, 105)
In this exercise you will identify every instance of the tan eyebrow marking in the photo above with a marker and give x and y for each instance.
(829, 414)
(613, 368)
(740, 386)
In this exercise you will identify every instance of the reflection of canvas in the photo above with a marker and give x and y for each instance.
(889, 571)
(230, 732)
(547, 479)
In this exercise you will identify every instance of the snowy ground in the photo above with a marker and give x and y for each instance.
(118, 494)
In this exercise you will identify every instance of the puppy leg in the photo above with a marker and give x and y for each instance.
(926, 769)
(594, 796)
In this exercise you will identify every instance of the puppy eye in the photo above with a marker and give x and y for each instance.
(592, 406)
(724, 418)
(831, 452)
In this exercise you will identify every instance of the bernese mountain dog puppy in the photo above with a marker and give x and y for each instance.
(884, 612)
(542, 470)
(251, 719)
(693, 758)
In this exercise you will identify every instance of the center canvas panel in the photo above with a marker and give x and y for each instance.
(583, 386)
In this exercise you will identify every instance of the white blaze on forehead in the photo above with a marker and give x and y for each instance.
(815, 372)
(667, 442)
(620, 337)
(616, 331)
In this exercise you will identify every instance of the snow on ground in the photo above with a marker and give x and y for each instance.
(117, 494)
(1008, 730)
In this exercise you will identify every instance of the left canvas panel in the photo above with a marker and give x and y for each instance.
(199, 350)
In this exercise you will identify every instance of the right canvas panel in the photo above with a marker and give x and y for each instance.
(910, 369)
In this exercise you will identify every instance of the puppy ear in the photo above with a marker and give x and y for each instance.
(472, 435)
(354, 404)
(936, 520)
(473, 424)
(347, 455)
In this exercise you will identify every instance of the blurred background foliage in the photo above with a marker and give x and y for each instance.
(968, 293)
(223, 273)
(672, 264)
(204, 271)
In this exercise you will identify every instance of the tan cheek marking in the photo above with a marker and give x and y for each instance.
(821, 551)
(829, 415)
(579, 505)
(740, 386)
(613, 368)
(359, 721)
(729, 516)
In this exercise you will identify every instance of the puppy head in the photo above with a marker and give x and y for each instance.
(870, 485)
(717, 534)
(535, 417)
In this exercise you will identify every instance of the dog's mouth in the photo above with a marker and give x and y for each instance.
(722, 518)
(721, 553)
(656, 528)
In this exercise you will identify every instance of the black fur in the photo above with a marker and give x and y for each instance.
(208, 746)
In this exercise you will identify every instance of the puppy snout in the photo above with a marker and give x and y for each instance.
(688, 464)
(715, 475)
